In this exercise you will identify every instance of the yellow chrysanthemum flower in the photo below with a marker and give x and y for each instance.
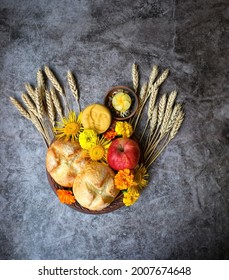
(124, 128)
(99, 151)
(130, 196)
(141, 176)
(88, 139)
(69, 127)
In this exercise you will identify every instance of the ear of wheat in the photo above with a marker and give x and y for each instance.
(73, 88)
(56, 102)
(52, 78)
(151, 89)
(164, 116)
(30, 90)
(40, 79)
(50, 107)
(135, 76)
(20, 108)
(42, 104)
(29, 103)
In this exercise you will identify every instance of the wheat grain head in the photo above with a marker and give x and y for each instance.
(177, 124)
(20, 108)
(39, 102)
(56, 102)
(135, 76)
(29, 103)
(161, 79)
(52, 78)
(30, 90)
(168, 111)
(50, 107)
(161, 108)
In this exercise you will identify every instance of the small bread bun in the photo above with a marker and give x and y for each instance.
(64, 160)
(94, 186)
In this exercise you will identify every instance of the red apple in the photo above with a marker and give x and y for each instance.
(123, 153)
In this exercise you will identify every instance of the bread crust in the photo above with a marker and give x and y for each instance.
(94, 186)
(64, 160)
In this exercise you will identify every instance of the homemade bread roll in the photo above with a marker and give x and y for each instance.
(94, 186)
(64, 160)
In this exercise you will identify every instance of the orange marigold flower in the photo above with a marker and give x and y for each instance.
(110, 134)
(65, 196)
(124, 179)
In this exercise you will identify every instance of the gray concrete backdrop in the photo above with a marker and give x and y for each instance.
(184, 212)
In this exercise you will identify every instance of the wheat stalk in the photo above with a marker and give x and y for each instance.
(142, 98)
(152, 101)
(46, 131)
(135, 77)
(150, 109)
(40, 79)
(50, 108)
(155, 137)
(161, 79)
(137, 119)
(143, 93)
(73, 88)
(153, 120)
(39, 128)
(20, 108)
(178, 122)
(151, 89)
(176, 110)
(168, 112)
(56, 102)
(154, 154)
(39, 102)
(161, 108)
(52, 78)
(152, 77)
(30, 91)
(29, 103)
(152, 126)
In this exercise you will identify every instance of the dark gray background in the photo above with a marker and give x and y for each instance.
(183, 214)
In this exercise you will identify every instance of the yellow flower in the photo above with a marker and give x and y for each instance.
(65, 196)
(124, 179)
(131, 196)
(121, 101)
(69, 127)
(124, 128)
(88, 139)
(99, 151)
(140, 176)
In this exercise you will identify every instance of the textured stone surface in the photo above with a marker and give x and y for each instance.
(183, 214)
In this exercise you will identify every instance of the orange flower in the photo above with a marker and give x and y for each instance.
(110, 134)
(124, 179)
(65, 196)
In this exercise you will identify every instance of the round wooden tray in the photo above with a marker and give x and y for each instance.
(116, 204)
